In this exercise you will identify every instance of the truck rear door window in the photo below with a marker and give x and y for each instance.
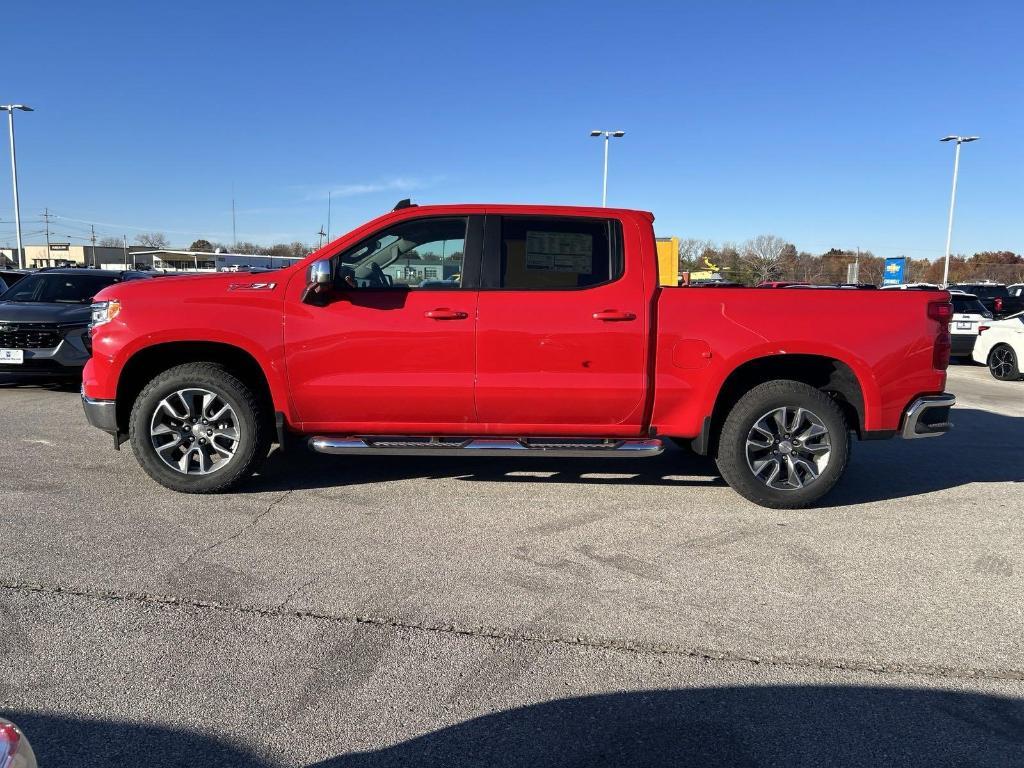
(550, 253)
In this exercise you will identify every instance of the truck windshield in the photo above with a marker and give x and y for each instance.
(59, 289)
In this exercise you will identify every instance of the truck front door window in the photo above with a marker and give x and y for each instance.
(424, 253)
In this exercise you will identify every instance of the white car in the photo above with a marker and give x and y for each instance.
(969, 319)
(1001, 347)
(1017, 289)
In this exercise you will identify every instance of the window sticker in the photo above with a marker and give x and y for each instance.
(560, 252)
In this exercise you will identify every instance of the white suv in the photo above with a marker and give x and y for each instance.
(970, 318)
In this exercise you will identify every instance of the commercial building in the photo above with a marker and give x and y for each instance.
(136, 257)
(167, 260)
(67, 255)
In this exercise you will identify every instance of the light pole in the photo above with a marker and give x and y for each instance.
(14, 174)
(607, 135)
(952, 200)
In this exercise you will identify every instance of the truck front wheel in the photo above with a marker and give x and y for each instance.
(197, 428)
(783, 445)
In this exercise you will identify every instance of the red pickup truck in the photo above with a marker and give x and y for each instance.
(510, 330)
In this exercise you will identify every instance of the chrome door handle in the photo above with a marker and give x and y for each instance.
(613, 315)
(443, 313)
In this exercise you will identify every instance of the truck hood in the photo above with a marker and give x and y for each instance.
(43, 312)
(192, 284)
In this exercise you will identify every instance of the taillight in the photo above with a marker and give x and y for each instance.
(982, 329)
(941, 312)
(999, 304)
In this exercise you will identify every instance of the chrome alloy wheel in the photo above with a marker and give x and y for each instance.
(788, 448)
(1002, 362)
(194, 431)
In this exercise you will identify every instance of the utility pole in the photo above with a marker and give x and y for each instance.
(46, 218)
(124, 239)
(328, 217)
(95, 264)
(607, 135)
(234, 234)
(952, 199)
(321, 234)
(22, 259)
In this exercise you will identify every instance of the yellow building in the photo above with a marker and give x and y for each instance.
(668, 260)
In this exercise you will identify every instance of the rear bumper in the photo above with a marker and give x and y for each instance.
(928, 416)
(102, 414)
(962, 344)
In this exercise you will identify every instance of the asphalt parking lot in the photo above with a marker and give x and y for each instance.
(389, 611)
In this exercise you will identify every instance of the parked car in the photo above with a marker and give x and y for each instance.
(1001, 348)
(996, 298)
(969, 319)
(15, 751)
(1017, 289)
(556, 341)
(44, 319)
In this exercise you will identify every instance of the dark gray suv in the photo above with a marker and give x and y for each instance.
(44, 319)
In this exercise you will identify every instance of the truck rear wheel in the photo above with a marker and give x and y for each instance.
(784, 445)
(197, 428)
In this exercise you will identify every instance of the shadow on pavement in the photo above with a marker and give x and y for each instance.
(735, 727)
(300, 468)
(72, 742)
(983, 447)
(66, 383)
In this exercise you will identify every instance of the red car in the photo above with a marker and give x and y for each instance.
(510, 330)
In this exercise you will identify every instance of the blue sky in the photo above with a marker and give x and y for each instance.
(816, 121)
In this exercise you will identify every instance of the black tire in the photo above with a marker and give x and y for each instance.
(758, 404)
(253, 433)
(1003, 363)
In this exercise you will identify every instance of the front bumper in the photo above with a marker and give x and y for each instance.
(67, 358)
(928, 416)
(102, 414)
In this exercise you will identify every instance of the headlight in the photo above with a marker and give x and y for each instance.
(104, 312)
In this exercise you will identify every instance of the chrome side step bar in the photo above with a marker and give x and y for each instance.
(487, 446)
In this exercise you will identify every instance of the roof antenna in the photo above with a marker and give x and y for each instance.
(406, 203)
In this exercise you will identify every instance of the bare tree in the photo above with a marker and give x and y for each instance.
(689, 251)
(761, 257)
(110, 242)
(152, 239)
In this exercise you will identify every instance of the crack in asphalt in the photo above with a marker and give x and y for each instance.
(581, 641)
(247, 527)
(294, 592)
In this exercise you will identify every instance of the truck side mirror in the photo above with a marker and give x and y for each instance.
(318, 283)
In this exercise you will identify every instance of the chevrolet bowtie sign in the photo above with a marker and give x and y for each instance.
(895, 271)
